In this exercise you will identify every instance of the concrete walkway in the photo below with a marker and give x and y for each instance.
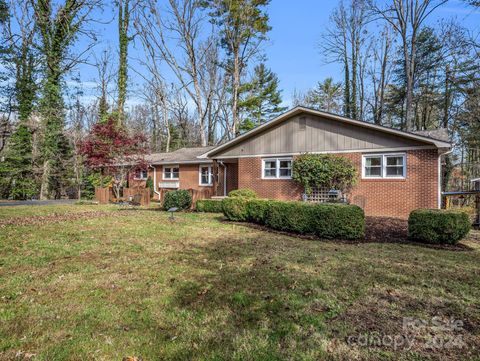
(5, 203)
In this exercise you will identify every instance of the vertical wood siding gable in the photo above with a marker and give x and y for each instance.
(319, 135)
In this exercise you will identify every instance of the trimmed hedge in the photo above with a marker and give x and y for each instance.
(257, 210)
(209, 206)
(235, 209)
(180, 199)
(438, 226)
(244, 193)
(325, 220)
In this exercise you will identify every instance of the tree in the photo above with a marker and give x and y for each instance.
(243, 26)
(177, 36)
(343, 42)
(263, 98)
(57, 34)
(20, 61)
(407, 17)
(326, 96)
(108, 147)
(124, 12)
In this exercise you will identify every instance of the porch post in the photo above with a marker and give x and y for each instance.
(215, 177)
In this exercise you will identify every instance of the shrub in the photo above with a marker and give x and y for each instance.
(324, 171)
(326, 220)
(438, 226)
(290, 216)
(149, 184)
(342, 221)
(244, 193)
(180, 199)
(257, 210)
(209, 206)
(235, 209)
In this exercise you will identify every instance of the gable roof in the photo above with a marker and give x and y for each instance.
(438, 143)
(181, 156)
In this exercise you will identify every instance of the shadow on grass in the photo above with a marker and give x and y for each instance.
(297, 295)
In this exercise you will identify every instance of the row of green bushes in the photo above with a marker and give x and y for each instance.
(323, 220)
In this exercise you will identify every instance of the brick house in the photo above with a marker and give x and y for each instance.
(397, 171)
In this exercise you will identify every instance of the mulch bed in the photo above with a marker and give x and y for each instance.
(378, 230)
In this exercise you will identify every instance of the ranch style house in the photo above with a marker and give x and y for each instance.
(397, 171)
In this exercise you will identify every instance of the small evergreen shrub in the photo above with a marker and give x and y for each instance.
(209, 206)
(257, 210)
(149, 184)
(235, 209)
(335, 220)
(180, 199)
(290, 216)
(244, 193)
(438, 226)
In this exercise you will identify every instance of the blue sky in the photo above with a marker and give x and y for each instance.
(292, 49)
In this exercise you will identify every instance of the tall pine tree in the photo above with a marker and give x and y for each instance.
(16, 171)
(262, 98)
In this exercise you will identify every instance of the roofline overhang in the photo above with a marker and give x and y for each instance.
(195, 161)
(299, 110)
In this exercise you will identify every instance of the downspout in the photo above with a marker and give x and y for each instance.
(439, 200)
(224, 178)
(155, 182)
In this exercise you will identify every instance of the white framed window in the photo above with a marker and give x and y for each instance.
(205, 175)
(141, 175)
(378, 166)
(277, 168)
(171, 172)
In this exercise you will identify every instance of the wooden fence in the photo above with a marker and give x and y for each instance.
(102, 195)
(129, 193)
(105, 195)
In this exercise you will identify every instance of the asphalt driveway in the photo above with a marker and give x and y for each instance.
(4, 203)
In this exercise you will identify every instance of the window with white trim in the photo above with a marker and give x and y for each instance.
(141, 174)
(171, 172)
(384, 166)
(277, 168)
(205, 175)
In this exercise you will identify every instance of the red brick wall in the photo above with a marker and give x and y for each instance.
(188, 177)
(385, 197)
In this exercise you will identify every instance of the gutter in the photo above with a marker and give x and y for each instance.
(155, 182)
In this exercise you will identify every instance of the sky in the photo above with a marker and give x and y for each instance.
(292, 50)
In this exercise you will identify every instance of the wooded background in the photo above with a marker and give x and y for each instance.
(205, 79)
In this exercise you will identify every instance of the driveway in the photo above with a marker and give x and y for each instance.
(4, 203)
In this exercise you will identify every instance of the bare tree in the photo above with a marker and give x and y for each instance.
(379, 72)
(175, 35)
(406, 18)
(344, 42)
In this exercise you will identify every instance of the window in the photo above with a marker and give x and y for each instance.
(171, 172)
(205, 175)
(141, 174)
(277, 168)
(384, 166)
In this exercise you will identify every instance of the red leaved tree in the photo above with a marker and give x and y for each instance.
(109, 148)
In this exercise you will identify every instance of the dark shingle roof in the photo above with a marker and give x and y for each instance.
(439, 134)
(182, 155)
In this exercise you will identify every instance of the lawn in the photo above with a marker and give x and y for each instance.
(101, 283)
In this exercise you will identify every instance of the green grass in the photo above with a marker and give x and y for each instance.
(132, 283)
